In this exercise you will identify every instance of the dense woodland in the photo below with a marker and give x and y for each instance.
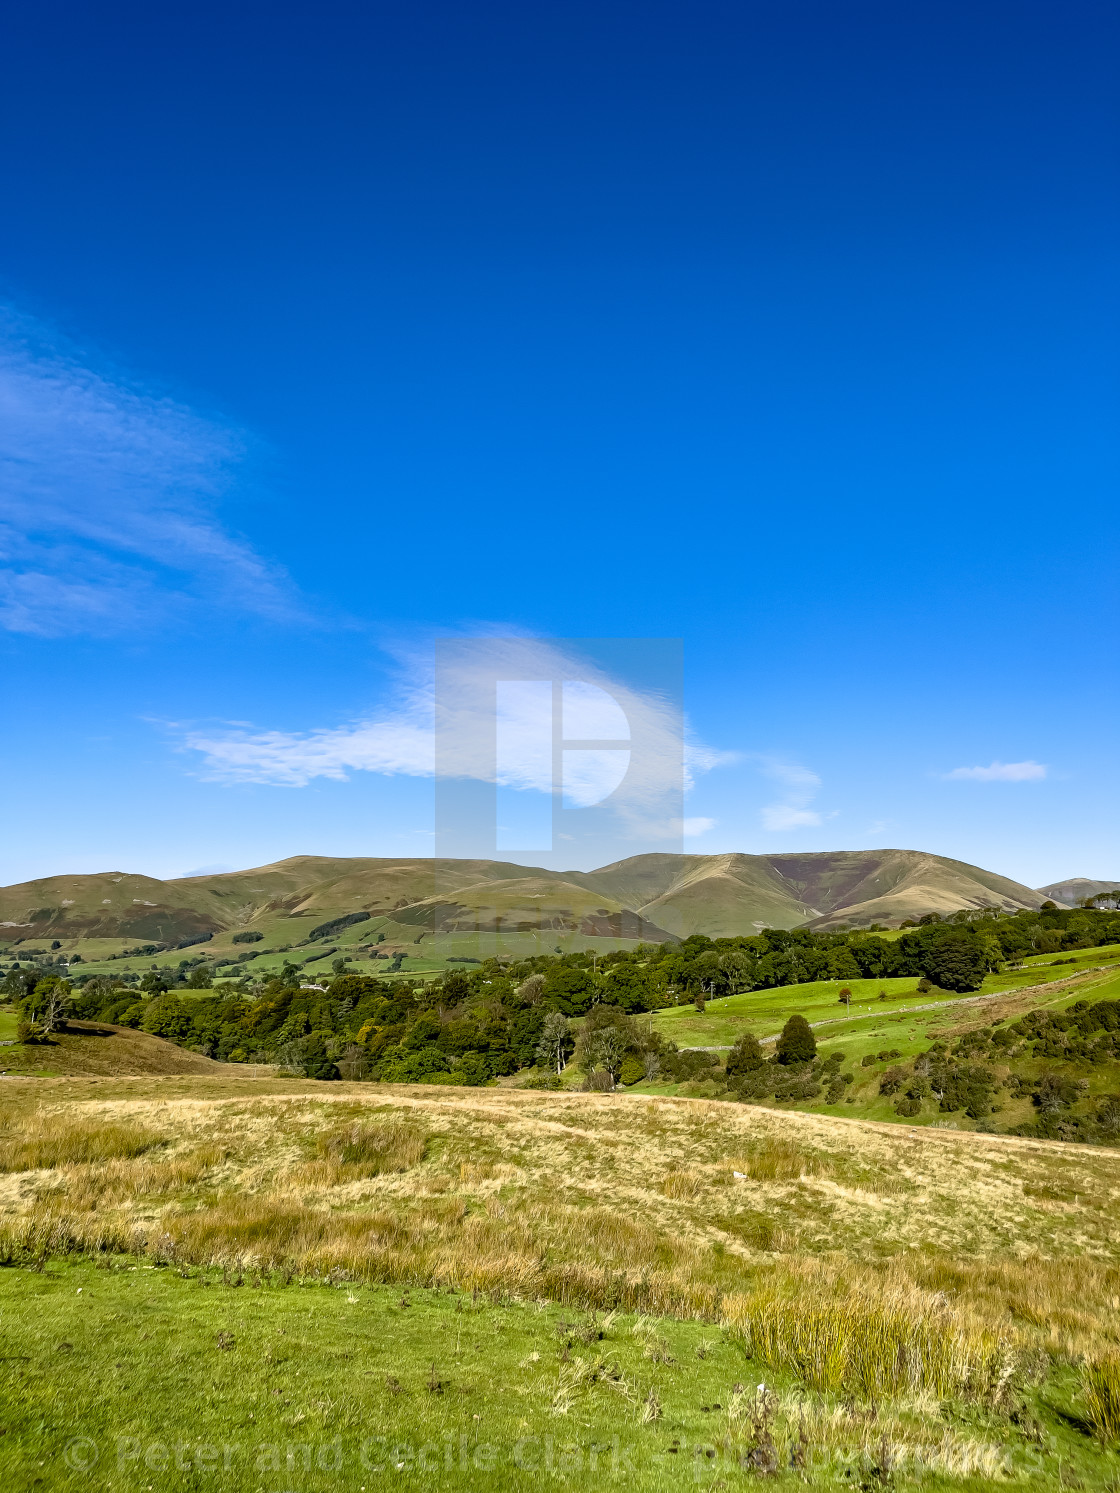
(471, 1025)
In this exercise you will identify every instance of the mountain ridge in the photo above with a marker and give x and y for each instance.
(1074, 888)
(664, 894)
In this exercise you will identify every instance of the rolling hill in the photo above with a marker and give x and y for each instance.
(648, 897)
(98, 1049)
(1074, 888)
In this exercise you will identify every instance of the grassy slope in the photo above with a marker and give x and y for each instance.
(516, 1191)
(424, 953)
(95, 1048)
(764, 1012)
(907, 1022)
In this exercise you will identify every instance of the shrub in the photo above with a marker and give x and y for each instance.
(248, 937)
(797, 1043)
(633, 1070)
(679, 1067)
(745, 1056)
(598, 1081)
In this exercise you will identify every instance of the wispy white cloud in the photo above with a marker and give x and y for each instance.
(107, 497)
(691, 828)
(799, 788)
(400, 739)
(786, 816)
(999, 772)
(396, 747)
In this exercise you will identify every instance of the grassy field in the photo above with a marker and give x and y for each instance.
(278, 1284)
(764, 1012)
(421, 952)
(898, 1029)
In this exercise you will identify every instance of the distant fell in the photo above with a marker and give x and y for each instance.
(645, 897)
(1075, 888)
(725, 895)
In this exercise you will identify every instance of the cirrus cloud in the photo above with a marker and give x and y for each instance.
(998, 772)
(799, 788)
(108, 492)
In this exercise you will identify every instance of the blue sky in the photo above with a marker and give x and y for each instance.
(786, 330)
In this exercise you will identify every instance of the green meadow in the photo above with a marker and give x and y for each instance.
(764, 1012)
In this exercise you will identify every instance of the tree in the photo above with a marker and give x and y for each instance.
(531, 990)
(846, 996)
(48, 1004)
(797, 1043)
(555, 1041)
(353, 1064)
(606, 1050)
(745, 1056)
(956, 961)
(608, 1035)
(737, 968)
(316, 1062)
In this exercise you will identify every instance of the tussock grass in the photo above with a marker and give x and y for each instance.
(612, 1204)
(759, 1231)
(777, 1160)
(48, 1141)
(885, 1344)
(1100, 1383)
(94, 1186)
(800, 1431)
(368, 1150)
(682, 1184)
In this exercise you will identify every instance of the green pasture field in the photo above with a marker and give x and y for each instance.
(765, 1012)
(424, 953)
(884, 1028)
(126, 1377)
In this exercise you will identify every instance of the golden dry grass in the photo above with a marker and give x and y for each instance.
(1101, 1387)
(863, 1257)
(52, 1140)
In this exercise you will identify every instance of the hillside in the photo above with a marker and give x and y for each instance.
(1035, 1058)
(726, 895)
(97, 1049)
(1075, 888)
(709, 1295)
(648, 897)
